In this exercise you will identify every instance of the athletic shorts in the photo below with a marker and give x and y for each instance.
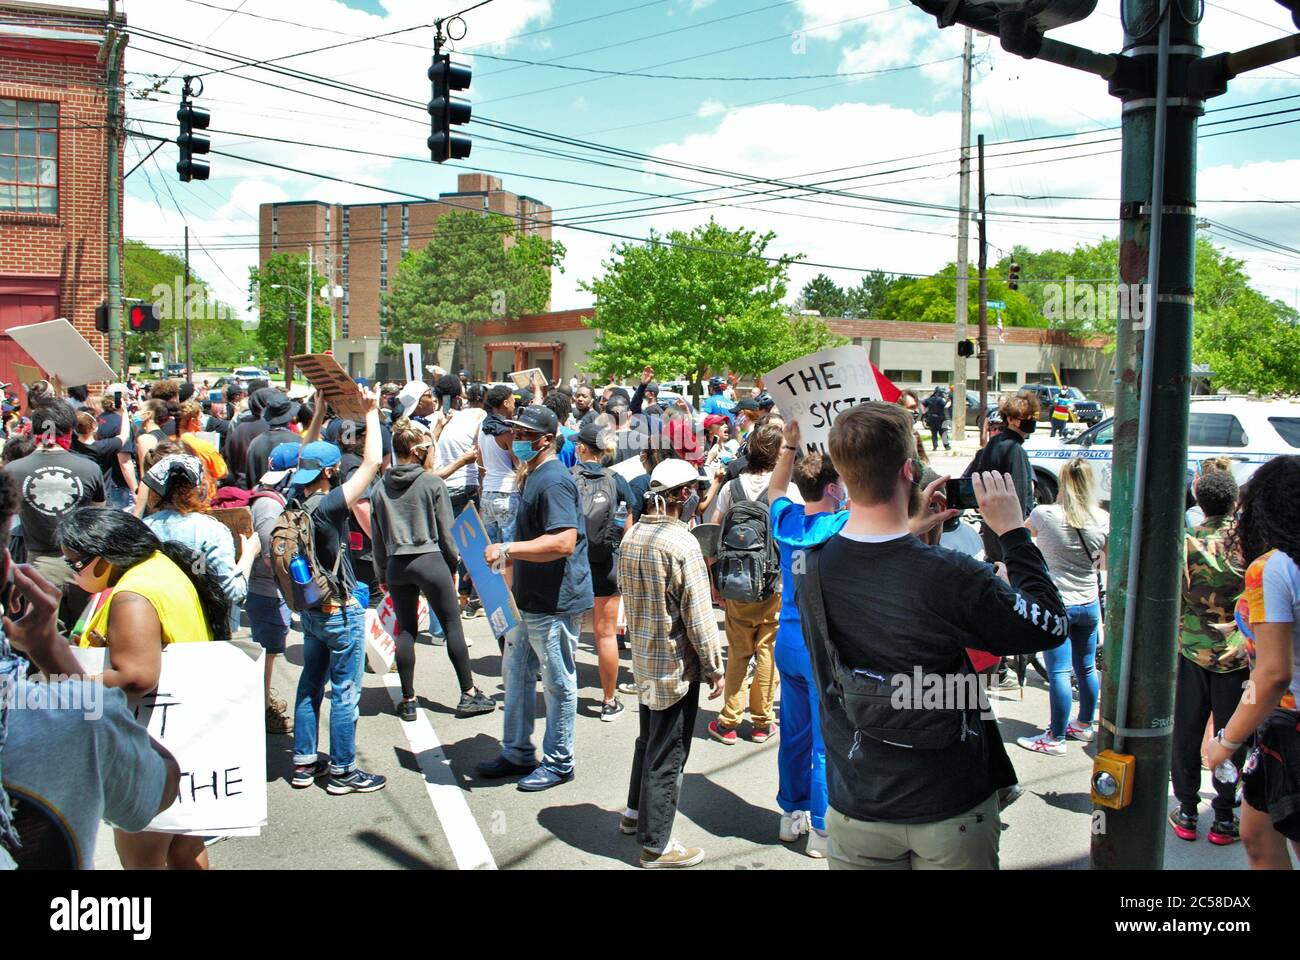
(1271, 775)
(268, 618)
(604, 577)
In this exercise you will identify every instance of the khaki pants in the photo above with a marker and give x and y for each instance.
(965, 842)
(751, 632)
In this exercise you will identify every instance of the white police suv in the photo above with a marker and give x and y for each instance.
(1249, 431)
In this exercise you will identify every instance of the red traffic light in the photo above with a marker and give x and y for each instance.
(143, 318)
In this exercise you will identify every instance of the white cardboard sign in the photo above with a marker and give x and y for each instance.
(413, 361)
(815, 388)
(63, 352)
(208, 712)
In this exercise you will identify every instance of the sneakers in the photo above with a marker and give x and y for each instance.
(1184, 824)
(817, 844)
(407, 710)
(543, 778)
(674, 855)
(722, 734)
(1224, 832)
(609, 712)
(629, 689)
(304, 775)
(358, 781)
(1087, 732)
(793, 825)
(763, 734)
(1008, 682)
(474, 701)
(472, 609)
(627, 825)
(280, 705)
(1043, 743)
(277, 721)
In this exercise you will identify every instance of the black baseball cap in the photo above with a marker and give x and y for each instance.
(749, 403)
(589, 433)
(536, 419)
(279, 410)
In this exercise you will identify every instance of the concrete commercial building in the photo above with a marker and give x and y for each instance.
(53, 171)
(358, 247)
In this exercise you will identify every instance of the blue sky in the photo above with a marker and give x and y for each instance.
(891, 136)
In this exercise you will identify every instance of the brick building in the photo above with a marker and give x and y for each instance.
(53, 165)
(358, 246)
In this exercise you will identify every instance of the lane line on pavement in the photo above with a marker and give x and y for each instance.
(464, 837)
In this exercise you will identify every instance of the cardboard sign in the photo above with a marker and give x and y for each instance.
(26, 375)
(332, 382)
(522, 378)
(381, 651)
(208, 712)
(498, 601)
(413, 361)
(59, 348)
(238, 520)
(815, 388)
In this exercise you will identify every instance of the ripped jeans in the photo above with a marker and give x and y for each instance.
(333, 647)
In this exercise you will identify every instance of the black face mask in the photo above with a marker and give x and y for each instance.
(1028, 426)
(335, 480)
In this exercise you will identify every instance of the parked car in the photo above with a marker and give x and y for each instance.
(1251, 432)
(1085, 410)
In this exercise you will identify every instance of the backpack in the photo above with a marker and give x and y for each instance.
(748, 566)
(598, 497)
(294, 535)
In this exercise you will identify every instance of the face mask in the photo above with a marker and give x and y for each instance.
(1028, 426)
(523, 449)
(841, 503)
(689, 506)
(335, 480)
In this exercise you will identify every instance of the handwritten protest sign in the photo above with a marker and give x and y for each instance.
(208, 711)
(333, 383)
(493, 592)
(65, 353)
(816, 388)
(382, 630)
(523, 378)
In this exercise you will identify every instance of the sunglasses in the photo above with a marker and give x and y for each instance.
(79, 565)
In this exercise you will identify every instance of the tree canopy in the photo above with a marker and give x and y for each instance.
(277, 286)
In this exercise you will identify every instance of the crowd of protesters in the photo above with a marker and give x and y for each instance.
(841, 575)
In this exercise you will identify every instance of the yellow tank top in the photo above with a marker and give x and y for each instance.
(172, 595)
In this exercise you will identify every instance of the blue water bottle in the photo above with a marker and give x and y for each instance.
(299, 570)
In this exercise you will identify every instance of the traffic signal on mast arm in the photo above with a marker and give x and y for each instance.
(446, 110)
(1013, 276)
(192, 118)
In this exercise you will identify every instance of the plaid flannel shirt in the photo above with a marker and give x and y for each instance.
(671, 626)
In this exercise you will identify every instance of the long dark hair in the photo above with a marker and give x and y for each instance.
(1268, 517)
(124, 540)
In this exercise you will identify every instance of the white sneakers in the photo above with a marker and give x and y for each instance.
(1043, 743)
(817, 843)
(1087, 732)
(794, 825)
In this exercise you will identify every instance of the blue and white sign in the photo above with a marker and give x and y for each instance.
(493, 591)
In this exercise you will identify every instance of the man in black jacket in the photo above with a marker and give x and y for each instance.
(905, 613)
(1005, 453)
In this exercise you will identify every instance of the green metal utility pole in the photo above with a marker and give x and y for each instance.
(112, 78)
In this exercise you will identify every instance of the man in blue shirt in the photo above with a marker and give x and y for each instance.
(552, 589)
(717, 402)
(801, 755)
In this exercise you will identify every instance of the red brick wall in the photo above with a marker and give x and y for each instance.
(72, 244)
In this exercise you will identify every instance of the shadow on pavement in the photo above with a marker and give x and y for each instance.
(399, 856)
(718, 811)
(591, 829)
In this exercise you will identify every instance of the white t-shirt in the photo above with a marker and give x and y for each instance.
(457, 439)
(754, 484)
(1067, 558)
(498, 465)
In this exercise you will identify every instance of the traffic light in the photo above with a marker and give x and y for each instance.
(1013, 276)
(1294, 7)
(446, 110)
(988, 16)
(965, 348)
(142, 318)
(101, 318)
(192, 118)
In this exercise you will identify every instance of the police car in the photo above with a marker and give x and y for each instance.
(1249, 431)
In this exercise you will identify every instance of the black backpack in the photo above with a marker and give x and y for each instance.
(748, 565)
(598, 497)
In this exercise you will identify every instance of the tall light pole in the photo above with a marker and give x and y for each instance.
(292, 338)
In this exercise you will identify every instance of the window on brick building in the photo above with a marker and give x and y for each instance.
(29, 157)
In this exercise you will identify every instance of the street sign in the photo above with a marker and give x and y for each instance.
(997, 304)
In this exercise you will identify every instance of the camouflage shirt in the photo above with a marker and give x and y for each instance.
(1211, 586)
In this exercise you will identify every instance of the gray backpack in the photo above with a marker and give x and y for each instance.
(748, 565)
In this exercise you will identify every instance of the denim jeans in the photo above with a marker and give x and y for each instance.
(333, 646)
(549, 642)
(119, 498)
(1081, 653)
(498, 511)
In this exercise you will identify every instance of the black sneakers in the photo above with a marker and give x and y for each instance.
(304, 775)
(474, 701)
(358, 781)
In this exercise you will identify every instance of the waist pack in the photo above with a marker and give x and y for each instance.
(885, 708)
(293, 537)
(748, 565)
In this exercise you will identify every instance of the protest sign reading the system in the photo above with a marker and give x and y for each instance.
(498, 602)
(332, 382)
(63, 352)
(208, 711)
(815, 388)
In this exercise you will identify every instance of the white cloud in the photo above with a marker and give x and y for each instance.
(711, 108)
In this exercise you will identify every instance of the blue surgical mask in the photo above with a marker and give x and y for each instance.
(523, 449)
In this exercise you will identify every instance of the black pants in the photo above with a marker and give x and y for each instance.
(938, 431)
(658, 762)
(408, 577)
(460, 498)
(1201, 692)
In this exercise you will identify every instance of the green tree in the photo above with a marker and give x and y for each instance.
(822, 294)
(159, 278)
(696, 301)
(867, 299)
(273, 289)
(474, 267)
(933, 300)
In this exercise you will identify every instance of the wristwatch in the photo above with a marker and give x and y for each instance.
(1220, 739)
(786, 446)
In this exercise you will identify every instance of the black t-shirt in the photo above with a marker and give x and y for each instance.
(110, 422)
(548, 503)
(359, 547)
(104, 453)
(329, 514)
(259, 454)
(51, 484)
(899, 607)
(236, 452)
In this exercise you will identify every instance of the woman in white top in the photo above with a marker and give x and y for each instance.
(1071, 534)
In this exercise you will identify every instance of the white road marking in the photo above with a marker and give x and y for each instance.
(458, 824)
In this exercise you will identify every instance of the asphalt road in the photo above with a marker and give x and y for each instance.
(434, 814)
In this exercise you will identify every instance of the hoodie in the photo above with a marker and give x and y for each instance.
(410, 513)
(235, 450)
